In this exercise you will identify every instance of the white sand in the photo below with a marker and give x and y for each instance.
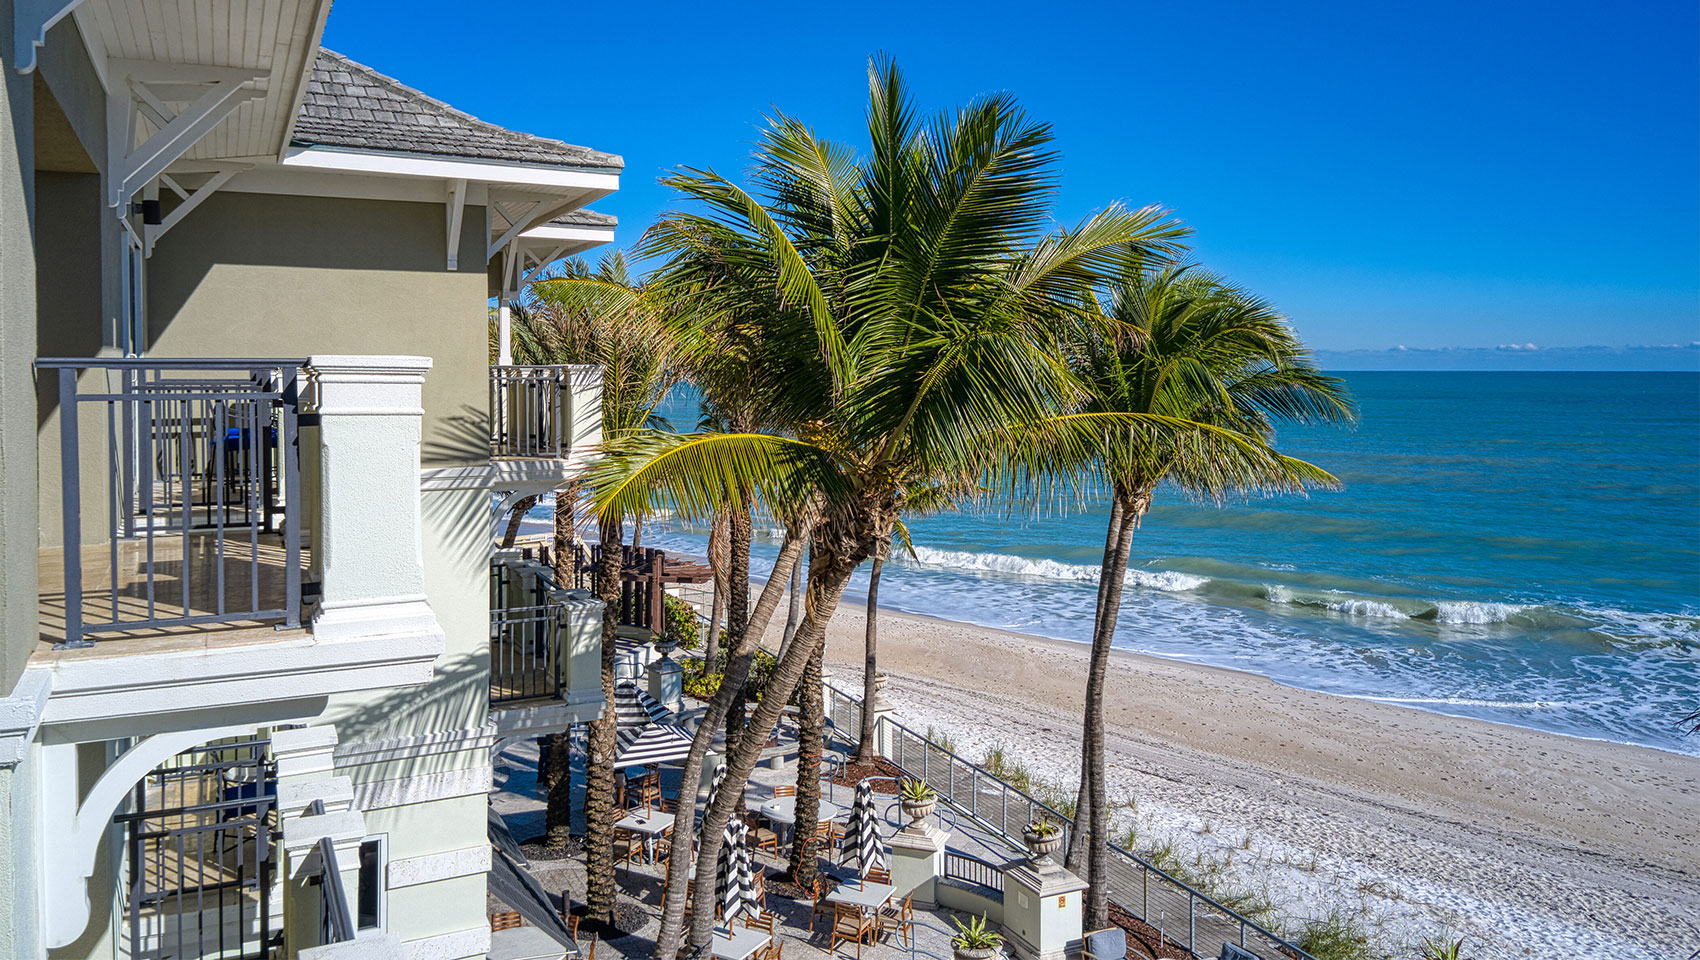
(1529, 844)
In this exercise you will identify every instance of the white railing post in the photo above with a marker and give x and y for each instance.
(368, 539)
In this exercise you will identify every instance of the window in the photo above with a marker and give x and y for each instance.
(370, 916)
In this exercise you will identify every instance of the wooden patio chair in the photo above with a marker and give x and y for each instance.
(762, 921)
(877, 875)
(851, 924)
(831, 834)
(899, 918)
(762, 838)
(775, 950)
(506, 920)
(821, 909)
(785, 790)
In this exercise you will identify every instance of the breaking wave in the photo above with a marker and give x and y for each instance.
(1168, 581)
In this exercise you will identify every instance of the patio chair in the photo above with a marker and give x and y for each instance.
(762, 922)
(774, 950)
(877, 875)
(851, 924)
(762, 838)
(591, 955)
(1234, 952)
(831, 835)
(506, 920)
(626, 846)
(821, 908)
(1109, 943)
(569, 916)
(785, 790)
(899, 918)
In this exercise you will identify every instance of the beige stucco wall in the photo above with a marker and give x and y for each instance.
(261, 275)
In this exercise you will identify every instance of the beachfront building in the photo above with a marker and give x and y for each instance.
(250, 436)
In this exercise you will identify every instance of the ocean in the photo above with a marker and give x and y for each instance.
(1517, 547)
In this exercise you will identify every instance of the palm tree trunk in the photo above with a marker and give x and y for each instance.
(717, 549)
(566, 500)
(794, 615)
(738, 600)
(1076, 856)
(811, 739)
(516, 518)
(865, 751)
(599, 812)
(637, 532)
(672, 919)
(1134, 503)
(829, 573)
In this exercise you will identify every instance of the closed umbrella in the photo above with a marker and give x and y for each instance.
(863, 835)
(734, 878)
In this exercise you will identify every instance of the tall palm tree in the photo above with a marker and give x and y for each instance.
(921, 297)
(578, 315)
(1184, 345)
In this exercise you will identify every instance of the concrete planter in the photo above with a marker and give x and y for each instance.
(981, 953)
(1042, 847)
(917, 810)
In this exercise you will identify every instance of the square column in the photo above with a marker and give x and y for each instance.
(368, 545)
(917, 861)
(1041, 909)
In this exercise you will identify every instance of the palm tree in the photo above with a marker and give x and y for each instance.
(920, 301)
(600, 317)
(1183, 345)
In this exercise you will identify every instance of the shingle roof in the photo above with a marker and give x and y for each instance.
(348, 104)
(586, 218)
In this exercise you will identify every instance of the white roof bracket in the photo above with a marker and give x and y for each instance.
(456, 207)
(31, 19)
(516, 224)
(538, 264)
(214, 93)
(151, 232)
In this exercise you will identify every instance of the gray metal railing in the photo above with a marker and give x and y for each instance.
(525, 633)
(973, 871)
(530, 411)
(336, 923)
(1144, 890)
(198, 464)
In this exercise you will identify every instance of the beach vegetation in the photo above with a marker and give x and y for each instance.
(1340, 934)
(1442, 949)
(941, 739)
(681, 628)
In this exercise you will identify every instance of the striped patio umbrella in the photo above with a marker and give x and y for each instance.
(713, 791)
(734, 878)
(634, 707)
(863, 833)
(650, 744)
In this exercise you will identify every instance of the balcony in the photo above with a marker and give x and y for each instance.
(544, 423)
(194, 509)
(545, 646)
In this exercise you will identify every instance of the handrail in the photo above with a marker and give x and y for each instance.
(948, 796)
(337, 924)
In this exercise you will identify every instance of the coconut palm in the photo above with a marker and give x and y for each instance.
(921, 297)
(577, 315)
(1183, 345)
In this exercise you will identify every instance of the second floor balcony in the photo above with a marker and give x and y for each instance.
(547, 412)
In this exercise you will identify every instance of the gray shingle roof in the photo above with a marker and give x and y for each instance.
(348, 104)
(586, 218)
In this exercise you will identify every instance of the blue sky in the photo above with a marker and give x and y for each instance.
(1432, 175)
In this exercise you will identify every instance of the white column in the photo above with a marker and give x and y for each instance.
(1041, 909)
(368, 541)
(917, 861)
(504, 333)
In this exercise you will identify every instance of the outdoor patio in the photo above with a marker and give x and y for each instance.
(519, 800)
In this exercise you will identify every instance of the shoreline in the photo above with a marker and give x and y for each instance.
(1421, 822)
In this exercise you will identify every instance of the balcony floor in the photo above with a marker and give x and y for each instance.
(250, 569)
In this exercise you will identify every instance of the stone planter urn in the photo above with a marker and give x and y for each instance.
(917, 810)
(664, 645)
(974, 953)
(1042, 846)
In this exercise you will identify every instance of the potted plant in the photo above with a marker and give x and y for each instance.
(918, 799)
(975, 940)
(1042, 837)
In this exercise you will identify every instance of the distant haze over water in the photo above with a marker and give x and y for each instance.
(1519, 547)
(1516, 356)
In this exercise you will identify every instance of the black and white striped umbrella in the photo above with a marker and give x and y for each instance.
(650, 744)
(863, 835)
(633, 707)
(734, 879)
(714, 789)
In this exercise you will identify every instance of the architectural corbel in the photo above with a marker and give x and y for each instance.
(31, 19)
(213, 93)
(456, 208)
(151, 232)
(519, 222)
(78, 829)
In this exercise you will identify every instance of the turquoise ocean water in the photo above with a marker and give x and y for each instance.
(1519, 547)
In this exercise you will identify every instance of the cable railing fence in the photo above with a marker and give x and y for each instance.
(1179, 912)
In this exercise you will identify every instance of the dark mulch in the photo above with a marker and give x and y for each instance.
(885, 774)
(629, 918)
(538, 848)
(1145, 937)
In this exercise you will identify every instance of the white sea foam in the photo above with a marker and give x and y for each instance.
(1168, 581)
(1474, 611)
(1332, 600)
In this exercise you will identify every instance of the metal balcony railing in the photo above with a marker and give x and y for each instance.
(193, 471)
(526, 633)
(530, 411)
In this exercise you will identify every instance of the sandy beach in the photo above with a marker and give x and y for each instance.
(1526, 843)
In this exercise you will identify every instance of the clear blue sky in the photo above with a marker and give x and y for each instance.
(1470, 174)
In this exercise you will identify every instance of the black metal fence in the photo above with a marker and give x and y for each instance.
(984, 875)
(200, 842)
(530, 411)
(198, 465)
(1179, 912)
(525, 635)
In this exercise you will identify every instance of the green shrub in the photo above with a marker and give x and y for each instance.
(702, 685)
(1338, 936)
(682, 623)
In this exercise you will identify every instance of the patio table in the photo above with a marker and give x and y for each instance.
(738, 944)
(782, 813)
(867, 897)
(647, 825)
(524, 943)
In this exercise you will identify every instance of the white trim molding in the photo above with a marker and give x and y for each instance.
(424, 788)
(596, 181)
(449, 946)
(20, 715)
(362, 752)
(466, 862)
(439, 479)
(31, 19)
